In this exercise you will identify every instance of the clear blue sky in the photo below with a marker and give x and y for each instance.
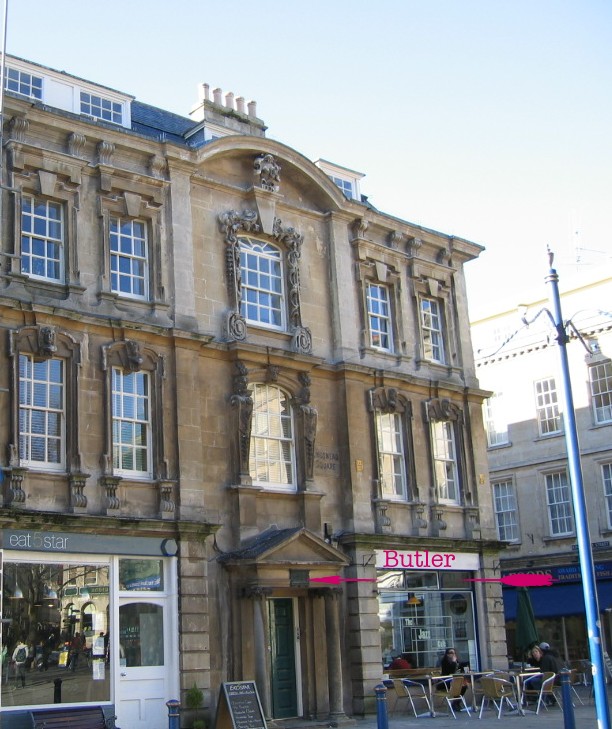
(487, 119)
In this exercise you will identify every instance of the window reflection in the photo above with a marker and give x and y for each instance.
(141, 635)
(59, 611)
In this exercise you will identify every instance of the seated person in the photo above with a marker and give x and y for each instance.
(546, 660)
(400, 662)
(449, 665)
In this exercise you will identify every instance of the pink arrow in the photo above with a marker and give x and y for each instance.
(336, 579)
(518, 580)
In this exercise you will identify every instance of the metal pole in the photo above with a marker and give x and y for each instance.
(569, 721)
(174, 713)
(587, 568)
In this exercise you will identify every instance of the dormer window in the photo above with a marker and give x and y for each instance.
(25, 84)
(347, 180)
(100, 108)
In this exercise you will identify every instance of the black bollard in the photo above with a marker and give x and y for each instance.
(569, 721)
(382, 718)
(57, 691)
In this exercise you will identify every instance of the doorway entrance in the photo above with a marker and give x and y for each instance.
(283, 657)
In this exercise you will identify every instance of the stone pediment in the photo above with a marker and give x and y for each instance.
(295, 547)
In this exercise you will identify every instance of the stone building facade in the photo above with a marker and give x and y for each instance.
(528, 463)
(242, 432)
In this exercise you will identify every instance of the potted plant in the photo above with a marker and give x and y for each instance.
(194, 699)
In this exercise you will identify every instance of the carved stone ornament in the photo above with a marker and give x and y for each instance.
(134, 356)
(268, 170)
(76, 144)
(394, 239)
(442, 409)
(46, 342)
(18, 128)
(231, 224)
(360, 227)
(387, 400)
(413, 246)
(242, 401)
(292, 240)
(106, 150)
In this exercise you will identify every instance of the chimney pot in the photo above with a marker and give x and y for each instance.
(204, 92)
(252, 105)
(217, 97)
(229, 100)
(240, 104)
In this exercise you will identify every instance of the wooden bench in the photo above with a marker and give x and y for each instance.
(89, 717)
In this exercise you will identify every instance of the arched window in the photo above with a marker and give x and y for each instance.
(272, 453)
(261, 270)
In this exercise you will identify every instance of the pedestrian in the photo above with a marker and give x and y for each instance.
(20, 657)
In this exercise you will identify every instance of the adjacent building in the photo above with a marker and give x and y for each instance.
(241, 427)
(519, 362)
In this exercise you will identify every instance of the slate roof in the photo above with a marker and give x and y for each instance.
(158, 123)
(260, 544)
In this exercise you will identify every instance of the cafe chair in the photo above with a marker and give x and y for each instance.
(543, 694)
(412, 692)
(498, 691)
(454, 696)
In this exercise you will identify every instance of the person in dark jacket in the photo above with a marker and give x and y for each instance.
(449, 665)
(546, 660)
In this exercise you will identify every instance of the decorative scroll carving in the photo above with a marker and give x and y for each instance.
(106, 150)
(418, 515)
(413, 246)
(360, 227)
(438, 519)
(442, 409)
(394, 238)
(241, 400)
(310, 417)
(387, 400)
(15, 494)
(268, 170)
(157, 165)
(166, 502)
(302, 337)
(110, 484)
(18, 128)
(442, 256)
(76, 144)
(78, 500)
(231, 224)
(384, 522)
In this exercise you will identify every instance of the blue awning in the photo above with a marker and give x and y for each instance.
(557, 600)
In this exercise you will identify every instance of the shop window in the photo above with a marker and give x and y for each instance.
(141, 575)
(52, 609)
(141, 635)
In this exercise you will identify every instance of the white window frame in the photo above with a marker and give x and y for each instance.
(272, 462)
(547, 406)
(100, 107)
(28, 84)
(37, 396)
(559, 504)
(432, 329)
(391, 456)
(496, 421)
(600, 380)
(34, 237)
(257, 291)
(131, 408)
(378, 300)
(446, 466)
(124, 232)
(606, 478)
(506, 511)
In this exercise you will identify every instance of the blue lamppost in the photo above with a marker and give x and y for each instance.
(583, 538)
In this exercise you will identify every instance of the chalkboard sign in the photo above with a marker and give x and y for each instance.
(239, 706)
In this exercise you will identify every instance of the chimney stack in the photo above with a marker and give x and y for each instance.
(252, 105)
(218, 97)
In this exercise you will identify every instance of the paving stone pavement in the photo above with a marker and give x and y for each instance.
(584, 718)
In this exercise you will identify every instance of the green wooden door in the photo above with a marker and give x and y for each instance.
(282, 640)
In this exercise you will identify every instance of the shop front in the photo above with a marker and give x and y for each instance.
(89, 619)
(427, 604)
(559, 610)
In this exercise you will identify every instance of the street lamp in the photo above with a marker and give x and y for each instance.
(587, 568)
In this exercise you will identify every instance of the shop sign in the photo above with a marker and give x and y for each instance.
(68, 543)
(423, 559)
